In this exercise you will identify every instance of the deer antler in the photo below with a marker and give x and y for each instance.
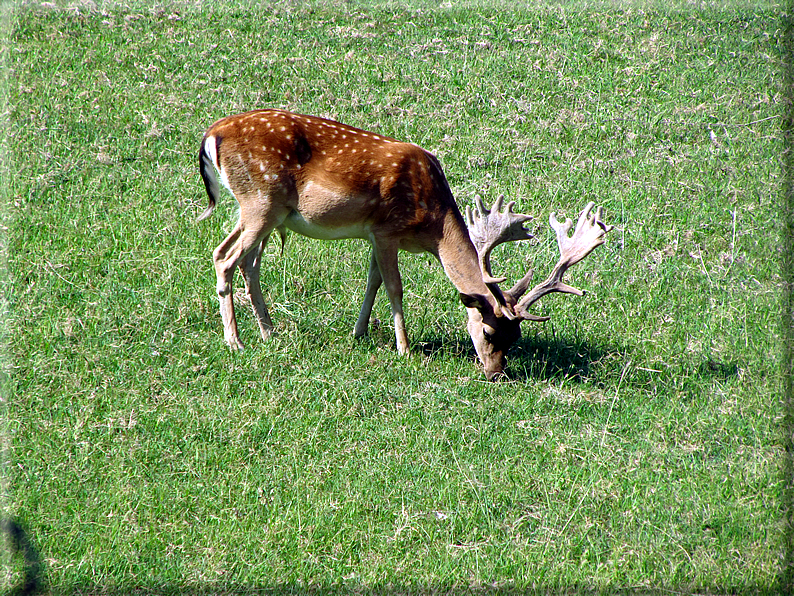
(588, 234)
(489, 228)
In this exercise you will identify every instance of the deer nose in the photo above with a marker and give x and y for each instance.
(493, 375)
(494, 368)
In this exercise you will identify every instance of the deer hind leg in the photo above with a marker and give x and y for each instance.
(374, 281)
(224, 288)
(386, 255)
(248, 235)
(249, 266)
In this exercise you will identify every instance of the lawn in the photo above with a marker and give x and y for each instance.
(637, 442)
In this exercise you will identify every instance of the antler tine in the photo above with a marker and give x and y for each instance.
(589, 233)
(490, 227)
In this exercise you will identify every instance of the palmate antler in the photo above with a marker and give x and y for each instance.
(588, 234)
(489, 228)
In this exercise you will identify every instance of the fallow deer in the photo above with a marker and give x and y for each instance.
(329, 181)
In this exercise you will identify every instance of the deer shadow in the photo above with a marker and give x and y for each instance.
(537, 357)
(20, 545)
(545, 358)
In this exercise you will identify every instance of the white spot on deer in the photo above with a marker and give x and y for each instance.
(283, 128)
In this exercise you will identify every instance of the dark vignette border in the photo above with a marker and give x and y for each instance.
(33, 579)
(786, 578)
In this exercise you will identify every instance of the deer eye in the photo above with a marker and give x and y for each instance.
(489, 333)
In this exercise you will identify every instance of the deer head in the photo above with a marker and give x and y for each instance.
(494, 329)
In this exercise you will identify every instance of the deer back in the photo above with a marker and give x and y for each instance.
(337, 181)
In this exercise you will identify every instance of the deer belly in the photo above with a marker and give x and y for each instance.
(297, 223)
(327, 212)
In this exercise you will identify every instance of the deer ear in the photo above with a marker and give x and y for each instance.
(481, 303)
(470, 301)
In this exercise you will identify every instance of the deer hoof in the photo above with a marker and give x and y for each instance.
(236, 345)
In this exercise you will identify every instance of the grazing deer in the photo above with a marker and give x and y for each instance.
(329, 181)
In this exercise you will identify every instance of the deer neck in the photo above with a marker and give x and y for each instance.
(459, 258)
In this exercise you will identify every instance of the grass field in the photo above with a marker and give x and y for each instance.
(637, 444)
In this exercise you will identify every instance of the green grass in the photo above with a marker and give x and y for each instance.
(637, 444)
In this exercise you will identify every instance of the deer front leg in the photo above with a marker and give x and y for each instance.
(249, 267)
(386, 256)
(374, 281)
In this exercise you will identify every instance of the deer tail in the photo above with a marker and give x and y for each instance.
(208, 160)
